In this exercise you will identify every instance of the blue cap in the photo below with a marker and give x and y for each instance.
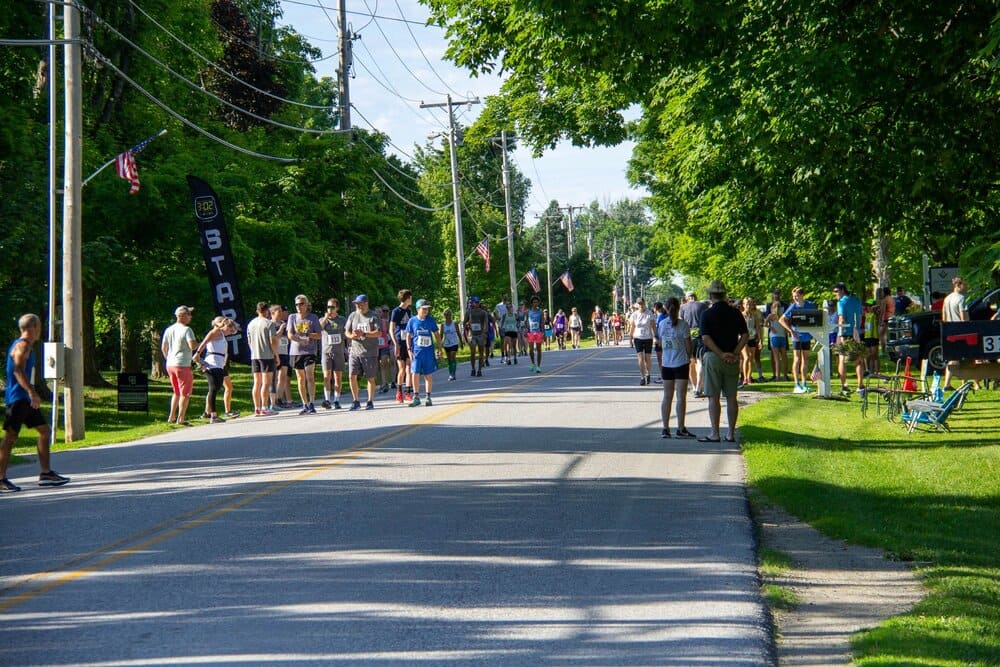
(423, 303)
(361, 297)
(474, 299)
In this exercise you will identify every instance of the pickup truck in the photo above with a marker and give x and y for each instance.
(917, 335)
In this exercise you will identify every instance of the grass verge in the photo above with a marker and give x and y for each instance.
(931, 498)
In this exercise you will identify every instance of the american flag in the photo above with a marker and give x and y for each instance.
(532, 278)
(125, 163)
(567, 281)
(484, 251)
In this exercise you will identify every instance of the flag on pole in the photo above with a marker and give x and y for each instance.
(532, 278)
(566, 281)
(484, 251)
(125, 163)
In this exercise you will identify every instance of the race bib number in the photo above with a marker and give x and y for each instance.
(668, 344)
(381, 341)
(476, 327)
(423, 341)
(533, 326)
(335, 339)
(991, 344)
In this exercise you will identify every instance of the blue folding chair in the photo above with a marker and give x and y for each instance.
(934, 413)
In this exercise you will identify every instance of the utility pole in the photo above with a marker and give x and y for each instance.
(459, 245)
(569, 232)
(73, 227)
(346, 60)
(510, 224)
(590, 238)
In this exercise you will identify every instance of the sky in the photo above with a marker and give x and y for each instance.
(395, 71)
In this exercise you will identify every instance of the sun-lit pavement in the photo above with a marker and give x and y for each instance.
(520, 520)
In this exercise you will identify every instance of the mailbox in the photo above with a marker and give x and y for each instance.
(806, 318)
(970, 340)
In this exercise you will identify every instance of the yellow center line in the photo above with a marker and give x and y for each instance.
(142, 541)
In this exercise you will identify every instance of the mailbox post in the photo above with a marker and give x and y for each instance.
(816, 322)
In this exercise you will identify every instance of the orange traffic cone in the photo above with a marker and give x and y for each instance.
(909, 383)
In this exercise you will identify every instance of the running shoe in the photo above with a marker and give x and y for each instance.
(415, 402)
(355, 406)
(409, 396)
(369, 406)
(538, 369)
(399, 396)
(272, 411)
(479, 373)
(304, 410)
(52, 478)
(683, 433)
(531, 368)
(473, 372)
(312, 409)
(216, 420)
(326, 404)
(232, 414)
(336, 405)
(427, 401)
(664, 433)
(647, 379)
(642, 381)
(799, 389)
(7, 486)
(451, 378)
(515, 361)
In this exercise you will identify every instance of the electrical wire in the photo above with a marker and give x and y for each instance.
(317, 5)
(389, 141)
(379, 81)
(426, 59)
(107, 62)
(398, 57)
(407, 201)
(298, 61)
(195, 86)
(413, 178)
(219, 69)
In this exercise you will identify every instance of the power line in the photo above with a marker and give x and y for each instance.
(200, 89)
(407, 201)
(219, 69)
(389, 141)
(384, 84)
(415, 179)
(298, 61)
(317, 5)
(107, 62)
(398, 57)
(426, 59)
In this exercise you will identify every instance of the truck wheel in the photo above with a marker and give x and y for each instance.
(935, 358)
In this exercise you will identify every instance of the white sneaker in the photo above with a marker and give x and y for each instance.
(799, 389)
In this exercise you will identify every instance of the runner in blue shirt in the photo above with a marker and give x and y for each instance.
(535, 335)
(420, 334)
(850, 317)
(801, 342)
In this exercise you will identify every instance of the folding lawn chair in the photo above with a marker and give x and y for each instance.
(934, 413)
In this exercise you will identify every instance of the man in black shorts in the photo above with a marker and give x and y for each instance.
(23, 406)
(398, 319)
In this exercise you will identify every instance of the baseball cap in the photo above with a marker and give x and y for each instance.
(474, 299)
(717, 287)
(182, 310)
(360, 298)
(840, 286)
(423, 303)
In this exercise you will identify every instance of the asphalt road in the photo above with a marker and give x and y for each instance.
(521, 520)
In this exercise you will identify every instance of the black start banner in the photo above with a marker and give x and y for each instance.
(219, 262)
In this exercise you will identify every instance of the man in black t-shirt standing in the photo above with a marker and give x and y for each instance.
(724, 334)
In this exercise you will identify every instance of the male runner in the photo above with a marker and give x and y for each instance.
(420, 334)
(333, 325)
(476, 322)
(363, 328)
(303, 332)
(397, 333)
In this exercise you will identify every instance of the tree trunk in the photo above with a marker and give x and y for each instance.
(156, 369)
(129, 346)
(91, 373)
(880, 258)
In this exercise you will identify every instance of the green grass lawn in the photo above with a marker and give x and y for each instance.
(931, 498)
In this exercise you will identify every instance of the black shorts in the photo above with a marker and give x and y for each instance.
(451, 348)
(752, 344)
(871, 342)
(402, 353)
(510, 334)
(643, 345)
(262, 365)
(676, 372)
(20, 413)
(286, 360)
(303, 361)
(802, 347)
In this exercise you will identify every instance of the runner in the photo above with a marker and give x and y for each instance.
(281, 394)
(363, 328)
(333, 325)
(801, 342)
(522, 342)
(262, 338)
(508, 328)
(420, 334)
(499, 313)
(535, 336)
(303, 332)
(451, 341)
(386, 360)
(397, 333)
(559, 325)
(597, 322)
(547, 325)
(476, 321)
(617, 325)
(575, 327)
(640, 330)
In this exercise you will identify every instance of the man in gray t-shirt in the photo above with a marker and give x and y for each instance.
(334, 327)
(691, 312)
(363, 328)
(262, 338)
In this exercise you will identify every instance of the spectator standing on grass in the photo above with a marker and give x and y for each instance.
(801, 341)
(850, 316)
(902, 302)
(755, 333)
(778, 342)
(724, 334)
(23, 405)
(954, 309)
(262, 339)
(178, 346)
